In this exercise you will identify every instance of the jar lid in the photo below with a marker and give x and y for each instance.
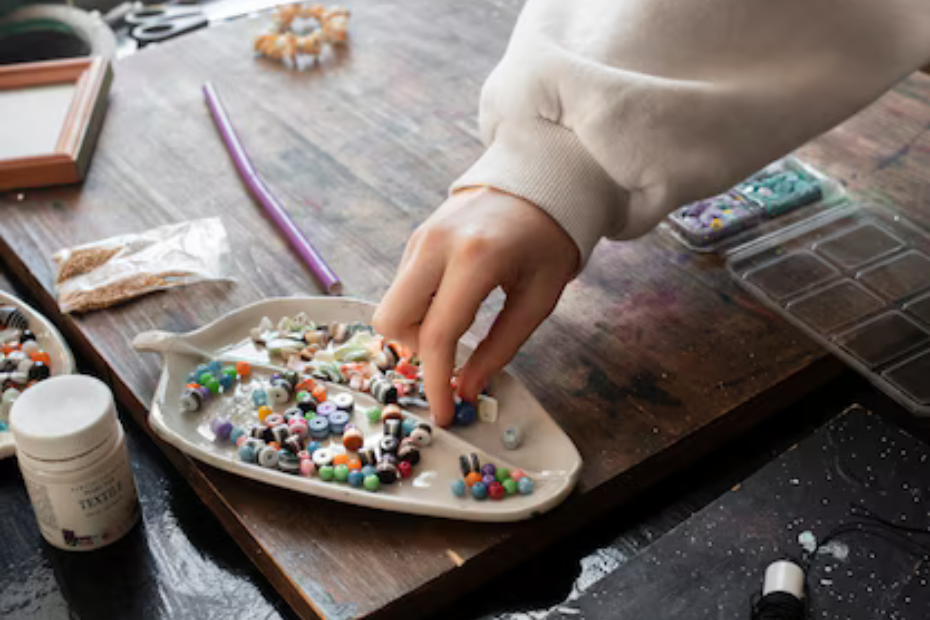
(63, 417)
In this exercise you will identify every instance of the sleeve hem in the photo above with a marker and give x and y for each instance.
(546, 164)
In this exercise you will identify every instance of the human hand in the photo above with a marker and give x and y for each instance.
(477, 240)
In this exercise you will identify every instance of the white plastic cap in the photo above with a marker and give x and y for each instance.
(63, 417)
(784, 576)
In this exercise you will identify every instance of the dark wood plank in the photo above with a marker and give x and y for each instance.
(856, 459)
(652, 359)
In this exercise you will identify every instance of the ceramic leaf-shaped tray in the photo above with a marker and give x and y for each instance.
(50, 341)
(546, 453)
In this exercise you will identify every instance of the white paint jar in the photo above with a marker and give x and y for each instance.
(72, 453)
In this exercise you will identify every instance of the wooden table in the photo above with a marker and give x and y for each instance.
(653, 358)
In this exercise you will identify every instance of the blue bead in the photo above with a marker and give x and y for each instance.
(465, 413)
(226, 382)
(479, 491)
(319, 427)
(236, 433)
(368, 470)
(260, 397)
(215, 367)
(356, 478)
(192, 378)
(313, 446)
(408, 426)
(458, 487)
(247, 452)
(203, 368)
(337, 422)
(526, 486)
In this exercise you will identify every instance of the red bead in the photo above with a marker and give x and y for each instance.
(496, 490)
(405, 469)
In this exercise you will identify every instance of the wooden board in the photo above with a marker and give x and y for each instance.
(652, 359)
(857, 458)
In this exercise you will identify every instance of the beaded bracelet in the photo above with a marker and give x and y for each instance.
(300, 31)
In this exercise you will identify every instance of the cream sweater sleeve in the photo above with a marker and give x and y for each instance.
(608, 114)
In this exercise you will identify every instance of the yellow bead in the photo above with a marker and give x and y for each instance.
(263, 412)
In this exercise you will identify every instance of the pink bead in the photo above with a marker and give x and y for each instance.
(241, 440)
(303, 455)
(298, 427)
(307, 468)
(517, 474)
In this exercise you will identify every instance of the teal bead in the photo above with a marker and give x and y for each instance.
(408, 426)
(215, 367)
(368, 470)
(356, 479)
(236, 433)
(510, 486)
(527, 486)
(458, 487)
(479, 491)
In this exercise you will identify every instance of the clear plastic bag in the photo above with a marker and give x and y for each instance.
(109, 272)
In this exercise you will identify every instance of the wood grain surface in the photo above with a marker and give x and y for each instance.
(652, 359)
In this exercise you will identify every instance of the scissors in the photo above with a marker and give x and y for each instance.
(153, 24)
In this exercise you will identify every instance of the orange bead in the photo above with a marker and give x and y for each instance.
(243, 369)
(193, 386)
(274, 444)
(472, 478)
(10, 347)
(319, 393)
(41, 356)
(354, 464)
(307, 385)
(263, 412)
(341, 459)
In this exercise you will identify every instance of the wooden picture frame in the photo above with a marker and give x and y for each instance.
(67, 160)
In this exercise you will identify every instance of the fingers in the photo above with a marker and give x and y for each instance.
(454, 308)
(404, 306)
(523, 311)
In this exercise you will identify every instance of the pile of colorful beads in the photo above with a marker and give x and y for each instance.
(300, 31)
(352, 354)
(489, 480)
(22, 362)
(292, 441)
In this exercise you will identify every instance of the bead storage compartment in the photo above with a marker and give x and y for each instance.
(777, 196)
(537, 445)
(857, 280)
(20, 324)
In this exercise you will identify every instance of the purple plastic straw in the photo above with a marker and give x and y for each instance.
(272, 206)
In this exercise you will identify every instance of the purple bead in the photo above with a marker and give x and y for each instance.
(222, 430)
(488, 470)
(204, 391)
(488, 479)
(326, 408)
(275, 377)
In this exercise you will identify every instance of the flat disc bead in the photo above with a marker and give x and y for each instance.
(268, 457)
(319, 427)
(338, 421)
(322, 457)
(275, 419)
(344, 401)
(326, 409)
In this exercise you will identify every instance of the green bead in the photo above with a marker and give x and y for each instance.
(230, 371)
(342, 473)
(302, 395)
(327, 473)
(372, 482)
(374, 415)
(502, 474)
(213, 385)
(206, 378)
(511, 486)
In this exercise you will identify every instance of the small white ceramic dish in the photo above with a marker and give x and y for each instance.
(50, 341)
(547, 455)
